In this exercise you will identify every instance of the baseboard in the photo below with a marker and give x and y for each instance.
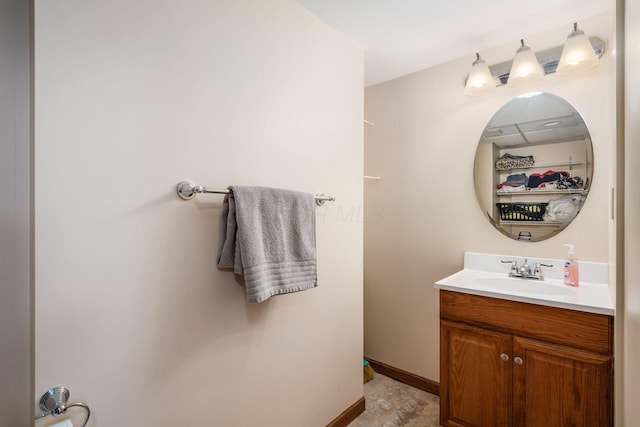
(405, 377)
(349, 414)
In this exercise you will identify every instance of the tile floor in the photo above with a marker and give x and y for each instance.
(394, 404)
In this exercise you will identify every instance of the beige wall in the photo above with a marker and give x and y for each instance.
(632, 219)
(423, 214)
(131, 313)
(15, 299)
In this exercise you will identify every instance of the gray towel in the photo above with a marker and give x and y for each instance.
(268, 235)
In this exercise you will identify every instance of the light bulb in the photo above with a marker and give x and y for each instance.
(525, 68)
(480, 80)
(577, 54)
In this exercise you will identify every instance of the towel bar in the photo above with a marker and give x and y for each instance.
(187, 191)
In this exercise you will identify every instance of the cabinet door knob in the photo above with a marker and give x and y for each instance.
(518, 360)
(504, 356)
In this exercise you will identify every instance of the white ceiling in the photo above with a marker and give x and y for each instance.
(403, 36)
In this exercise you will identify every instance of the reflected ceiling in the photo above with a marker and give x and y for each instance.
(540, 121)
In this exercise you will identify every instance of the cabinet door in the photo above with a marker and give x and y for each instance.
(475, 380)
(560, 386)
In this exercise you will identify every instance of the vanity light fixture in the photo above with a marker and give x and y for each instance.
(525, 68)
(577, 54)
(563, 59)
(480, 80)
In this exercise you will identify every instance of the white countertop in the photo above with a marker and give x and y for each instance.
(589, 296)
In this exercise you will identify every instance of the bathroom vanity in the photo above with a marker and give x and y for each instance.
(521, 358)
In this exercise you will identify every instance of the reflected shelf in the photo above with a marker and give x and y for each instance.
(545, 165)
(533, 192)
(534, 223)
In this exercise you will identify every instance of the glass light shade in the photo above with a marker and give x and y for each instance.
(480, 80)
(577, 54)
(525, 68)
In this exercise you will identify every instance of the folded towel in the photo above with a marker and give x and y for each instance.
(268, 235)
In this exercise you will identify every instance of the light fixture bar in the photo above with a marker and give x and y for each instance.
(549, 59)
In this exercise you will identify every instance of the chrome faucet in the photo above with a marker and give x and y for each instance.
(524, 271)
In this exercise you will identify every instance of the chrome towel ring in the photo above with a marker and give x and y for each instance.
(54, 403)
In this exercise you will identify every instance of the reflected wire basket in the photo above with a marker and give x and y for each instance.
(529, 211)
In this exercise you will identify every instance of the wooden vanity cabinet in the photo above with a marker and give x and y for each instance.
(507, 363)
(475, 383)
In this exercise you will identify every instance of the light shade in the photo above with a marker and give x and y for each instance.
(577, 54)
(525, 68)
(480, 80)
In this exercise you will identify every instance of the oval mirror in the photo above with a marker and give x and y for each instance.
(533, 166)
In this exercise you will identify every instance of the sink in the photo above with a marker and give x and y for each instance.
(507, 284)
(485, 275)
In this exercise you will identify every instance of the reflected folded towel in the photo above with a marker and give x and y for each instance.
(563, 209)
(509, 161)
(268, 235)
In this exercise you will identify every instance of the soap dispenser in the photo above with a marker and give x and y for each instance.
(571, 270)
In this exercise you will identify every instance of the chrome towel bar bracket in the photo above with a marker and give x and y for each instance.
(54, 403)
(187, 191)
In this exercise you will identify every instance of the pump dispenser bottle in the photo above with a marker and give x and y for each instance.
(571, 271)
